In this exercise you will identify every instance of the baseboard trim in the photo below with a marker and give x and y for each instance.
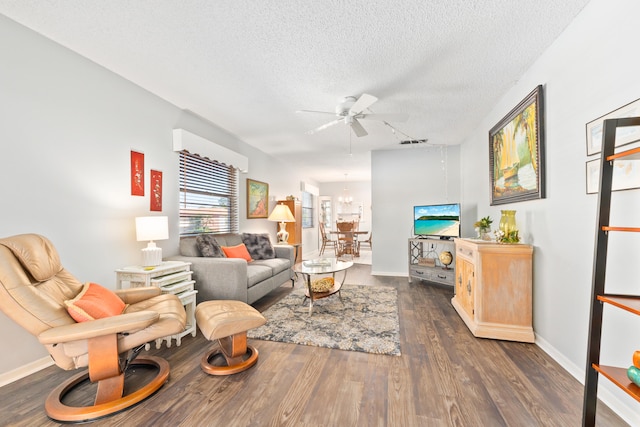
(624, 411)
(25, 371)
(388, 273)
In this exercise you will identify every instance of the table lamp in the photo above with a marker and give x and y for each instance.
(152, 228)
(283, 214)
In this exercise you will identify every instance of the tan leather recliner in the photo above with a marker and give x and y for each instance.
(33, 290)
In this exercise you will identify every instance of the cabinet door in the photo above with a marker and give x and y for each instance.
(465, 285)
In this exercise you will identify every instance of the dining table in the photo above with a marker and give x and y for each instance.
(354, 237)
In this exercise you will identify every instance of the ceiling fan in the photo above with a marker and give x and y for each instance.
(351, 110)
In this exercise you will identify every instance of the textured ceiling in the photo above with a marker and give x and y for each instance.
(248, 66)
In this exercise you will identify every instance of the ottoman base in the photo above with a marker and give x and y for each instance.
(228, 322)
(237, 354)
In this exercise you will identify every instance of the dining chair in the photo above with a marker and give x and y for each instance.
(346, 243)
(367, 241)
(327, 241)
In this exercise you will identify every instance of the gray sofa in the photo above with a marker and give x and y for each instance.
(218, 277)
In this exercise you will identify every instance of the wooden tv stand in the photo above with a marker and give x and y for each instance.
(422, 249)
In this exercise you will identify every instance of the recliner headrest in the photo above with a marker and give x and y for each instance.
(36, 255)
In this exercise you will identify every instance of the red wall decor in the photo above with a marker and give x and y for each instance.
(137, 173)
(156, 190)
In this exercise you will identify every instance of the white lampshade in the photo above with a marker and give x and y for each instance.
(150, 228)
(282, 214)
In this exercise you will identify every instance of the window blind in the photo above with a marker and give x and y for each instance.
(208, 196)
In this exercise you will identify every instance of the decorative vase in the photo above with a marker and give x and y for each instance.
(508, 221)
(483, 234)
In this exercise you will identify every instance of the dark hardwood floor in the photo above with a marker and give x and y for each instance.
(445, 377)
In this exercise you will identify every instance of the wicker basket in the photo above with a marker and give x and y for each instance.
(322, 285)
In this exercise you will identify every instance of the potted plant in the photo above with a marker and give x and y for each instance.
(483, 227)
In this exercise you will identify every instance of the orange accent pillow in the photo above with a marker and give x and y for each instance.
(238, 251)
(94, 302)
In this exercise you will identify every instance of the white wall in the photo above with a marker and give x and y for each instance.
(590, 70)
(68, 126)
(400, 180)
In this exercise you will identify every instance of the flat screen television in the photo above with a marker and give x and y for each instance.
(437, 220)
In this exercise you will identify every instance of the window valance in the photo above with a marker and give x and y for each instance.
(185, 140)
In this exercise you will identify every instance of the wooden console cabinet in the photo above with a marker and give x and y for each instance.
(493, 289)
(294, 228)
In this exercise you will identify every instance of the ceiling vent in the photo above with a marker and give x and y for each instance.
(413, 141)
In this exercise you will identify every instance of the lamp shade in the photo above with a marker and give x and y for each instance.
(282, 213)
(150, 228)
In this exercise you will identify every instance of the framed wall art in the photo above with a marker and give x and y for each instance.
(624, 135)
(137, 173)
(156, 191)
(257, 199)
(626, 175)
(516, 153)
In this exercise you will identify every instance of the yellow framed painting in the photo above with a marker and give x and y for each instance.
(516, 153)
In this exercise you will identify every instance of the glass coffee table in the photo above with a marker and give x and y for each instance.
(322, 266)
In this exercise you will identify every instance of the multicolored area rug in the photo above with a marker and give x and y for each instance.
(366, 320)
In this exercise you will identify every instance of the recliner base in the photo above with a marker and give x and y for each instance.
(58, 411)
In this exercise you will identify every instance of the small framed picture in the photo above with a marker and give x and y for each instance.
(626, 175)
(624, 135)
(156, 190)
(137, 173)
(257, 199)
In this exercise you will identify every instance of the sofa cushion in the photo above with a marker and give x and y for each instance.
(239, 251)
(259, 245)
(276, 265)
(208, 246)
(189, 247)
(257, 273)
(229, 239)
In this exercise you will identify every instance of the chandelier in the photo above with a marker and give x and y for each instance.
(346, 198)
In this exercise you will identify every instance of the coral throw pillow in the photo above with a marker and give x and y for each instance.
(238, 251)
(94, 302)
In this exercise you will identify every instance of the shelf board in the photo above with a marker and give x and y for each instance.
(619, 377)
(629, 303)
(610, 228)
(633, 154)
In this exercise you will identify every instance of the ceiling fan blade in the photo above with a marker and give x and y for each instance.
(358, 129)
(318, 112)
(364, 102)
(324, 126)
(399, 117)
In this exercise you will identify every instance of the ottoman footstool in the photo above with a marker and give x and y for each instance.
(227, 322)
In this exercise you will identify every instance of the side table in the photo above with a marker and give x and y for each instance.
(173, 277)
